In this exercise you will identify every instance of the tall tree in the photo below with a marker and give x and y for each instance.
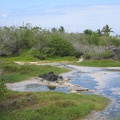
(88, 32)
(99, 32)
(54, 30)
(107, 30)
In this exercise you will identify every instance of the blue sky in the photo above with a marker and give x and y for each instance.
(74, 15)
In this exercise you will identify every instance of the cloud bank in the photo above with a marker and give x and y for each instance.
(74, 18)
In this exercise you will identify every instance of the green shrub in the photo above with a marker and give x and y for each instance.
(103, 55)
(88, 56)
(35, 52)
(106, 54)
(2, 88)
(60, 47)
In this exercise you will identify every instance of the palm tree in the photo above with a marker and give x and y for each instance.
(107, 30)
(61, 29)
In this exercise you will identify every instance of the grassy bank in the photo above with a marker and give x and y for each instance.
(14, 73)
(68, 59)
(49, 106)
(27, 58)
(99, 63)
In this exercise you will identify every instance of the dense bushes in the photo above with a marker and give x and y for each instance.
(37, 53)
(42, 43)
(59, 47)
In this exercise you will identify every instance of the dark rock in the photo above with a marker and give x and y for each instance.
(50, 76)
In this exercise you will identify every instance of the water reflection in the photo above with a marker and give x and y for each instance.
(84, 80)
(40, 87)
(36, 87)
(51, 87)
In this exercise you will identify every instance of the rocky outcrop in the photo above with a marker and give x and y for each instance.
(50, 76)
(52, 81)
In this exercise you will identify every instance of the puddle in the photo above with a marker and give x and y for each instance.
(36, 87)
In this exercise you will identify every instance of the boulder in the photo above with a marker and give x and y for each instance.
(50, 76)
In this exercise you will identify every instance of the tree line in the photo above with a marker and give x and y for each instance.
(42, 43)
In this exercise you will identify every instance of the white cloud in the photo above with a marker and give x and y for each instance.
(73, 18)
(5, 15)
(79, 18)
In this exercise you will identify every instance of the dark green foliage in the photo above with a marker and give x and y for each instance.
(88, 32)
(60, 47)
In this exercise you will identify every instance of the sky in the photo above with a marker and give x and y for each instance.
(74, 15)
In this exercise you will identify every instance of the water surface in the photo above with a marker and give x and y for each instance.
(104, 81)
